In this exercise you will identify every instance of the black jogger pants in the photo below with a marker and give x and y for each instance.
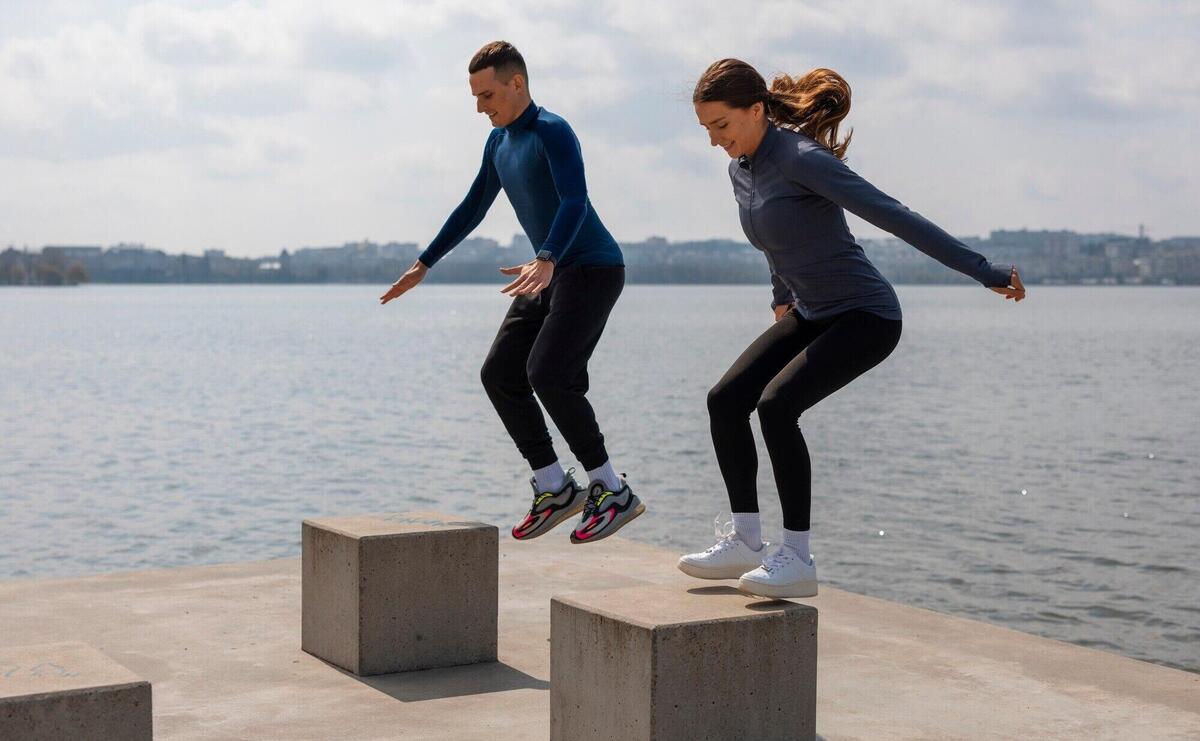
(788, 369)
(543, 347)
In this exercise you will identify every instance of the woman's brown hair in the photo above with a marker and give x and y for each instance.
(813, 104)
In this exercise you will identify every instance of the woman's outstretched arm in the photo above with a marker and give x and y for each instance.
(822, 172)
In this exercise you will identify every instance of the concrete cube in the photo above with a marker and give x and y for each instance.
(399, 592)
(70, 690)
(663, 663)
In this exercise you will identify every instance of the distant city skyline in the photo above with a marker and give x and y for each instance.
(255, 127)
(518, 240)
(1041, 256)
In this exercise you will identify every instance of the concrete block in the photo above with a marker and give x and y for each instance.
(663, 663)
(399, 592)
(70, 690)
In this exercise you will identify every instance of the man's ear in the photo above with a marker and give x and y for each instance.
(518, 82)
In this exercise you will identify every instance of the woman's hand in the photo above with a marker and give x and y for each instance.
(411, 278)
(1015, 289)
(782, 310)
(531, 278)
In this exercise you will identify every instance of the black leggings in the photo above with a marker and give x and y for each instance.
(788, 369)
(543, 346)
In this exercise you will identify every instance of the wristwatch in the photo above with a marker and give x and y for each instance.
(545, 256)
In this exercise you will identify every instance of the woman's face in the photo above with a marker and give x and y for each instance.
(736, 130)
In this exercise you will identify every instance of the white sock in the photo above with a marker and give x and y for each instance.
(797, 540)
(606, 474)
(550, 478)
(746, 526)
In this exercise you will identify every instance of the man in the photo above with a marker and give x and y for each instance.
(561, 298)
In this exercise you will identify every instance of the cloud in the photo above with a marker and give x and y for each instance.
(243, 95)
(303, 122)
(182, 37)
(1081, 95)
(1028, 24)
(353, 50)
(85, 136)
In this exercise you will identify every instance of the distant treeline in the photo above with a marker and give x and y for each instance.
(1043, 257)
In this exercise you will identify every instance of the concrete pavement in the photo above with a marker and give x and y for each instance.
(221, 646)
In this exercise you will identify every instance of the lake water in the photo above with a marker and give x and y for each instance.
(1030, 465)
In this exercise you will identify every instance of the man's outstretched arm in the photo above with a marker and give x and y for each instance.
(470, 212)
(462, 220)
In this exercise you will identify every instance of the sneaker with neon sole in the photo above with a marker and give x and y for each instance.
(606, 512)
(550, 508)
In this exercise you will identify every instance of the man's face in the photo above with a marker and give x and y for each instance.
(501, 101)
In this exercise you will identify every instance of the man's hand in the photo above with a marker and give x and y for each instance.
(1015, 289)
(532, 278)
(782, 310)
(411, 277)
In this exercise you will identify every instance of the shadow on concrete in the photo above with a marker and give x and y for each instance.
(453, 681)
(702, 591)
(761, 604)
(771, 605)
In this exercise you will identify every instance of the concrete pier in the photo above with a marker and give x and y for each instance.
(399, 592)
(221, 646)
(660, 663)
(70, 690)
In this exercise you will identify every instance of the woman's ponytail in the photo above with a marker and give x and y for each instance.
(814, 105)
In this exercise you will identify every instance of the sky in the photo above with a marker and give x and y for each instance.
(257, 126)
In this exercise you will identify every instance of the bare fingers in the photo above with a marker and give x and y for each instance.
(535, 287)
(528, 284)
(397, 289)
(512, 288)
(1016, 294)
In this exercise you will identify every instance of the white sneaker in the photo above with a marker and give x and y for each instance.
(728, 558)
(782, 574)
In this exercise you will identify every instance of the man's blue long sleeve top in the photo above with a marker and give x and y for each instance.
(537, 161)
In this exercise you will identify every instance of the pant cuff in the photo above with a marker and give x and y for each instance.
(541, 458)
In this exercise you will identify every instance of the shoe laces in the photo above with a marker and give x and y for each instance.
(782, 556)
(593, 501)
(595, 495)
(724, 533)
(722, 529)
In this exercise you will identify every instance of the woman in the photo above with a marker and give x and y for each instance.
(835, 315)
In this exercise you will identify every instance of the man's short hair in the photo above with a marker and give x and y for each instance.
(501, 56)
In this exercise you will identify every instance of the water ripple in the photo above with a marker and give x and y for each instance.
(160, 426)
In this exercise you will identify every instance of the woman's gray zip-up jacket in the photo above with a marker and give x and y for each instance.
(790, 197)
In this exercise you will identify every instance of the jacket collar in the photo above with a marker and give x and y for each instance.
(526, 118)
(764, 148)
